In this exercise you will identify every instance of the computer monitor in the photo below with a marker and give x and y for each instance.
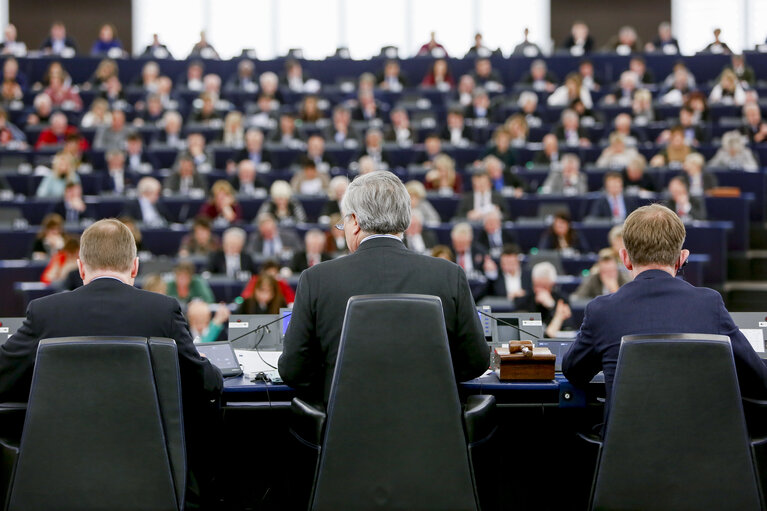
(8, 327)
(221, 355)
(487, 321)
(285, 315)
(528, 326)
(754, 327)
(245, 334)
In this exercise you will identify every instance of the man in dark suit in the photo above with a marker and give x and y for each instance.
(417, 238)
(148, 208)
(509, 280)
(376, 210)
(271, 240)
(231, 259)
(687, 207)
(72, 207)
(653, 303)
(482, 199)
(313, 253)
(108, 304)
(613, 204)
(492, 236)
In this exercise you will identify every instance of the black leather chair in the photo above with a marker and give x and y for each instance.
(103, 428)
(395, 435)
(675, 438)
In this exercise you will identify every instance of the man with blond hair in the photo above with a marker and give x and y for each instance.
(108, 305)
(655, 302)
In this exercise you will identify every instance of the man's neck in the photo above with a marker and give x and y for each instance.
(639, 269)
(125, 278)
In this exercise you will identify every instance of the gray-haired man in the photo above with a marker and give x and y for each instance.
(376, 211)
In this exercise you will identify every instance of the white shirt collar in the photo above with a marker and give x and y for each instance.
(372, 236)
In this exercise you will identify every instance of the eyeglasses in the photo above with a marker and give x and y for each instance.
(340, 226)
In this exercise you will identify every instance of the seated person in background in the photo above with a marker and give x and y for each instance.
(113, 136)
(743, 71)
(156, 49)
(418, 202)
(654, 254)
(754, 127)
(271, 240)
(501, 147)
(367, 108)
(588, 76)
(550, 152)
(399, 132)
(492, 236)
(341, 131)
(266, 298)
(570, 91)
(222, 207)
(511, 281)
(416, 238)
(201, 241)
(439, 76)
(231, 260)
(642, 110)
(313, 252)
(481, 200)
(107, 42)
(613, 204)
(617, 154)
(206, 114)
(539, 77)
(253, 150)
(201, 326)
(63, 96)
(503, 178)
(336, 191)
(485, 76)
(526, 47)
(638, 65)
(728, 91)
(196, 150)
(98, 116)
(545, 299)
(623, 93)
(187, 285)
(72, 207)
(286, 133)
(58, 42)
(687, 208)
(442, 177)
(147, 208)
(665, 42)
(606, 279)
(635, 180)
(566, 180)
(528, 105)
(270, 267)
(185, 178)
(309, 180)
(391, 78)
(374, 148)
(562, 237)
(10, 134)
(432, 147)
(315, 151)
(50, 238)
(282, 205)
(245, 79)
(456, 132)
(675, 152)
(62, 173)
(625, 42)
(464, 93)
(579, 41)
(518, 130)
(170, 135)
(717, 46)
(697, 180)
(569, 132)
(734, 154)
(479, 111)
(694, 133)
(246, 181)
(42, 110)
(57, 132)
(469, 255)
(623, 126)
(136, 158)
(63, 262)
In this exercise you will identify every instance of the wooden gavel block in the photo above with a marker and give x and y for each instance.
(524, 347)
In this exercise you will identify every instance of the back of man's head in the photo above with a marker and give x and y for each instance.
(653, 234)
(108, 245)
(380, 202)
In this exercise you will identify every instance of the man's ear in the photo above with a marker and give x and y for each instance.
(356, 227)
(624, 255)
(81, 269)
(683, 256)
(134, 268)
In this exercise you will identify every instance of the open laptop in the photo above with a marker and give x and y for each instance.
(8, 327)
(754, 327)
(245, 332)
(221, 354)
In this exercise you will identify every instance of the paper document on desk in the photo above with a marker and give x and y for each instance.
(251, 362)
(755, 337)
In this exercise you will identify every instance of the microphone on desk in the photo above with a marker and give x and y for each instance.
(499, 320)
(265, 326)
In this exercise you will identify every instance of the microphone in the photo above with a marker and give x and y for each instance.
(499, 320)
(265, 326)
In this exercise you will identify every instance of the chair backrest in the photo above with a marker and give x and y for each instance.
(388, 445)
(675, 437)
(95, 435)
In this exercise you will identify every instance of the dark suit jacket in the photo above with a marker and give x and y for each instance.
(217, 262)
(133, 210)
(697, 208)
(601, 207)
(243, 154)
(299, 262)
(311, 342)
(109, 307)
(497, 287)
(655, 303)
(61, 209)
(483, 239)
